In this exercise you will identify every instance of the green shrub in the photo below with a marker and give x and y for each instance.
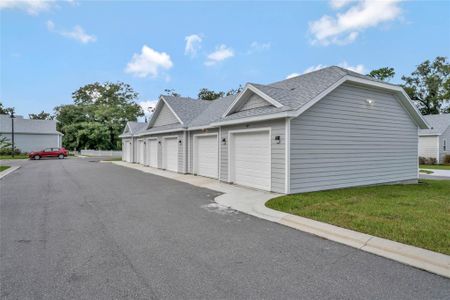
(9, 151)
(427, 160)
(447, 159)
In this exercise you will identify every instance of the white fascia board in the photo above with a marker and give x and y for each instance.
(429, 134)
(200, 127)
(255, 90)
(162, 131)
(254, 119)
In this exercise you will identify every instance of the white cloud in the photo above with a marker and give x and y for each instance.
(147, 106)
(148, 62)
(292, 75)
(336, 4)
(221, 53)
(345, 27)
(357, 68)
(31, 7)
(77, 33)
(314, 68)
(258, 47)
(193, 44)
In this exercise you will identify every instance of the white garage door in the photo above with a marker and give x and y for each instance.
(206, 156)
(170, 154)
(152, 150)
(141, 155)
(250, 159)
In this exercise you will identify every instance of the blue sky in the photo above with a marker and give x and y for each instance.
(49, 49)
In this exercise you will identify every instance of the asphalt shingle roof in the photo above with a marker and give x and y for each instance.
(292, 93)
(439, 124)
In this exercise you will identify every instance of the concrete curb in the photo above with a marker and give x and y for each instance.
(252, 202)
(8, 171)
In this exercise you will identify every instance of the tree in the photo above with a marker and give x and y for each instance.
(171, 92)
(4, 142)
(384, 74)
(206, 94)
(41, 116)
(234, 91)
(429, 86)
(6, 110)
(98, 115)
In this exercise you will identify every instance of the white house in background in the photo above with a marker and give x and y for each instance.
(434, 142)
(327, 129)
(29, 134)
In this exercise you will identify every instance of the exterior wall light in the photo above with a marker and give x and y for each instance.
(179, 142)
(159, 142)
(224, 141)
(278, 139)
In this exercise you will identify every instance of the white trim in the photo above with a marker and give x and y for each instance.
(143, 134)
(200, 127)
(437, 151)
(418, 153)
(444, 145)
(185, 154)
(220, 153)
(163, 152)
(287, 161)
(255, 90)
(194, 151)
(230, 144)
(254, 119)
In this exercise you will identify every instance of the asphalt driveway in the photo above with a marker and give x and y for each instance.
(77, 228)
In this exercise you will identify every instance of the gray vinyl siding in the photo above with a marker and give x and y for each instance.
(165, 117)
(181, 149)
(342, 141)
(191, 146)
(26, 142)
(442, 153)
(278, 151)
(253, 102)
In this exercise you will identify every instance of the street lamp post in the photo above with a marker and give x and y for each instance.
(12, 133)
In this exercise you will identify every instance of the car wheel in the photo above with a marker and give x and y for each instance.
(37, 157)
(61, 156)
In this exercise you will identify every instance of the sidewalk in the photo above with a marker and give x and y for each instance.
(252, 202)
(436, 172)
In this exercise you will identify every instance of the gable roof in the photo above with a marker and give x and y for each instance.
(288, 98)
(184, 109)
(133, 128)
(438, 124)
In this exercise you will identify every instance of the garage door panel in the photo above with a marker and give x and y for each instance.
(152, 153)
(250, 157)
(207, 156)
(171, 154)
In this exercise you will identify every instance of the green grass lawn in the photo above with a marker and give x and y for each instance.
(426, 172)
(417, 215)
(113, 159)
(436, 167)
(3, 168)
(19, 156)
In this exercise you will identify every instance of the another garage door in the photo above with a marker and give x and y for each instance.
(206, 156)
(152, 150)
(170, 154)
(250, 159)
(141, 155)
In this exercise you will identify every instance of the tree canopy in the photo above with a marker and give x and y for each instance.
(41, 116)
(384, 74)
(98, 115)
(429, 86)
(6, 110)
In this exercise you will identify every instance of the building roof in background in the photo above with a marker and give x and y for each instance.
(22, 125)
(438, 124)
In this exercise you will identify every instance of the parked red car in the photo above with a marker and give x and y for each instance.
(49, 152)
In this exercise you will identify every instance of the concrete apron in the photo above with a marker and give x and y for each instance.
(252, 202)
(436, 172)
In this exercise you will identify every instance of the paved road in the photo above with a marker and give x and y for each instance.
(76, 229)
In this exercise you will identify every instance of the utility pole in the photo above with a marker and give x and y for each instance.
(12, 133)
